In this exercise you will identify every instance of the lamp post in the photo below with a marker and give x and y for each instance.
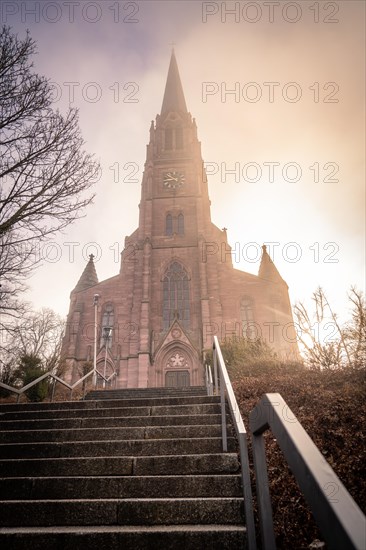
(95, 303)
(107, 331)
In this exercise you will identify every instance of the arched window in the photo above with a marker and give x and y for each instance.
(176, 296)
(168, 144)
(180, 224)
(179, 138)
(169, 225)
(247, 316)
(107, 325)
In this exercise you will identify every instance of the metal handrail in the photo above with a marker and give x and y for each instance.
(71, 387)
(340, 520)
(209, 381)
(222, 382)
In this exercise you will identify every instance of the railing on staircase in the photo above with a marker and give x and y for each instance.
(209, 381)
(222, 383)
(57, 379)
(340, 520)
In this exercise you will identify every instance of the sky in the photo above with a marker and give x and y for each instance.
(278, 93)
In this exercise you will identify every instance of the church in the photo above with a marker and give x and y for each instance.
(175, 289)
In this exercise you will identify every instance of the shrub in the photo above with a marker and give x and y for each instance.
(30, 368)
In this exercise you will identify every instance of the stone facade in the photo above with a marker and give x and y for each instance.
(177, 286)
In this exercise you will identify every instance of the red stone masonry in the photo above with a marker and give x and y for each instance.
(176, 242)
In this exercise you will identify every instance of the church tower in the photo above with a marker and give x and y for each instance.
(177, 286)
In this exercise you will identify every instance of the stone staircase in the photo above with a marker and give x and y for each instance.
(139, 469)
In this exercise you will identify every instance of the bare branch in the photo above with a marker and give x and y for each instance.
(45, 173)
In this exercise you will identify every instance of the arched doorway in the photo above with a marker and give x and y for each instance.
(177, 368)
(176, 364)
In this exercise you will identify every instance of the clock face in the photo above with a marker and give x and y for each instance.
(173, 180)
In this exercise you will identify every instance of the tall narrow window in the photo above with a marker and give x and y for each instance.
(107, 323)
(168, 138)
(179, 138)
(180, 224)
(247, 317)
(176, 296)
(169, 225)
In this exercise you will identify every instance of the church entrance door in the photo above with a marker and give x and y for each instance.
(177, 379)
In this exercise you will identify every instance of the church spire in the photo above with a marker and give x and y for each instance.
(267, 269)
(173, 95)
(88, 277)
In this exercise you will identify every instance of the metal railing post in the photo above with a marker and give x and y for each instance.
(53, 390)
(226, 391)
(215, 370)
(96, 298)
(263, 496)
(223, 412)
(247, 489)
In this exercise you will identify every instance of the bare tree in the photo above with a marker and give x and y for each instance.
(38, 334)
(325, 342)
(355, 330)
(44, 169)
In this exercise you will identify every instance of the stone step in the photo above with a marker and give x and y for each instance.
(83, 487)
(219, 463)
(133, 447)
(122, 394)
(112, 434)
(138, 396)
(137, 511)
(140, 469)
(158, 410)
(172, 537)
(111, 403)
(109, 422)
(145, 392)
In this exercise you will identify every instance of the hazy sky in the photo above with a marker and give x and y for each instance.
(277, 90)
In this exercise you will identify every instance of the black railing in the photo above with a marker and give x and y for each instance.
(339, 519)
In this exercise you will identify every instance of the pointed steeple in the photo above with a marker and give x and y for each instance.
(173, 95)
(267, 269)
(88, 277)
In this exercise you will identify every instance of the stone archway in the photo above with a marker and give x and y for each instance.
(175, 366)
(176, 355)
